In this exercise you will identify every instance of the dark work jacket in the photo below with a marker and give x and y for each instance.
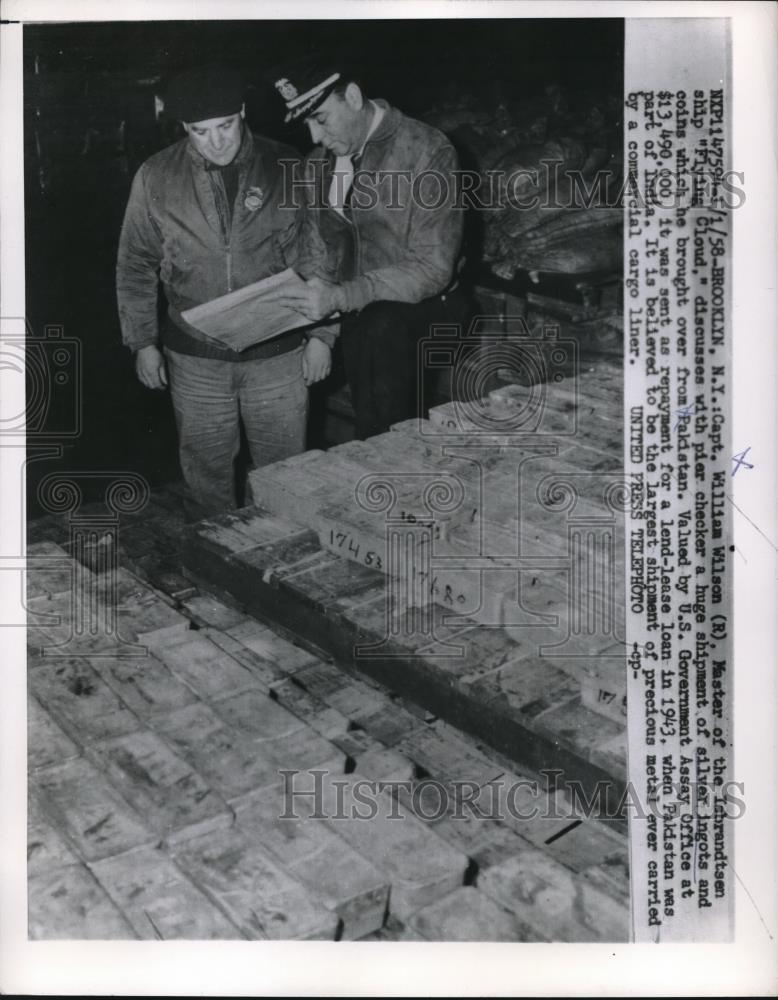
(177, 229)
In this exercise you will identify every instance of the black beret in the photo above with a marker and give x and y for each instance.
(203, 93)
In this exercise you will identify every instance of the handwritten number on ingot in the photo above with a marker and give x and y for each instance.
(345, 541)
(609, 696)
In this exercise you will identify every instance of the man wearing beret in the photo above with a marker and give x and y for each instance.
(381, 189)
(208, 215)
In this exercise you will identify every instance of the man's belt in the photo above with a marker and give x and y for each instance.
(180, 336)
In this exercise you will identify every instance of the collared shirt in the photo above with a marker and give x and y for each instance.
(229, 176)
(229, 173)
(343, 172)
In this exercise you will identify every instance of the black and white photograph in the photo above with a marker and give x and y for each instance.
(374, 435)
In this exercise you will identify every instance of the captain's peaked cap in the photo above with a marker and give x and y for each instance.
(205, 92)
(305, 85)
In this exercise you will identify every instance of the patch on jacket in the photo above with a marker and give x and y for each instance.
(254, 199)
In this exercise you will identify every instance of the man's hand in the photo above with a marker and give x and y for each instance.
(150, 367)
(317, 361)
(315, 300)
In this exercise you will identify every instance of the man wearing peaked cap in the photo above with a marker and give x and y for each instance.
(381, 188)
(208, 215)
(313, 82)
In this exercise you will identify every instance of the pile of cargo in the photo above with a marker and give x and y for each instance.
(549, 180)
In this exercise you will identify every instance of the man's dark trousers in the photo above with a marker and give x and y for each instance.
(382, 360)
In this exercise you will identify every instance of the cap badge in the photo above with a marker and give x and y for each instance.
(254, 199)
(286, 89)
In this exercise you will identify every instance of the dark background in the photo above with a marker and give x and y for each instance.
(90, 121)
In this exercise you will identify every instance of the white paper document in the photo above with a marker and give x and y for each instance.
(249, 315)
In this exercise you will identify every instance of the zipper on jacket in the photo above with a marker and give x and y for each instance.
(230, 219)
(226, 222)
